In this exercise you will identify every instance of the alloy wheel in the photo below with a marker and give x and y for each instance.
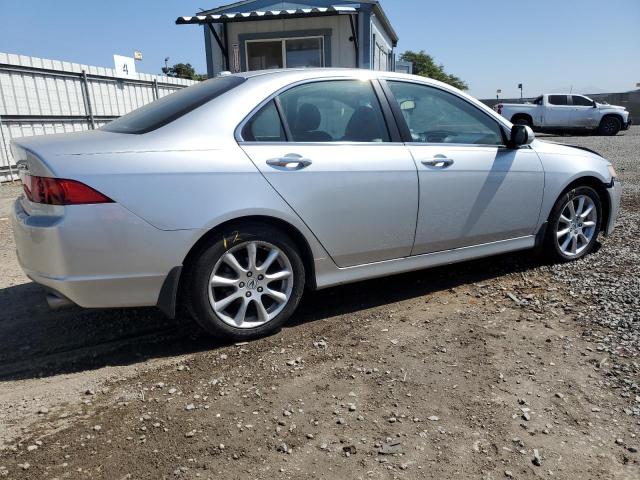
(250, 284)
(576, 226)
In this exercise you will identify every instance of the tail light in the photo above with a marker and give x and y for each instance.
(58, 191)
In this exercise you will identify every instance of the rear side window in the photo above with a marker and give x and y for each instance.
(334, 111)
(264, 126)
(557, 99)
(581, 101)
(167, 109)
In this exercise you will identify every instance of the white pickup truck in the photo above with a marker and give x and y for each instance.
(559, 111)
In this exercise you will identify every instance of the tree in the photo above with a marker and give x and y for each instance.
(183, 70)
(425, 66)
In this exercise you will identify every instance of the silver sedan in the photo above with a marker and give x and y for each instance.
(234, 195)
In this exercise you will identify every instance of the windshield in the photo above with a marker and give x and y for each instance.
(165, 110)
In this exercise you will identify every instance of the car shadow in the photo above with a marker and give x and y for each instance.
(36, 342)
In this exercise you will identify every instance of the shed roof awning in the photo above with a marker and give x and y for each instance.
(257, 15)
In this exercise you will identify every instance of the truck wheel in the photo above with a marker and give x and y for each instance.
(609, 126)
(523, 121)
(246, 284)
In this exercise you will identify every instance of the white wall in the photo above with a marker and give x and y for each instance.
(33, 88)
(382, 48)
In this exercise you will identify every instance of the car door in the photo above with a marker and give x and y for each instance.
(473, 189)
(584, 112)
(558, 112)
(327, 149)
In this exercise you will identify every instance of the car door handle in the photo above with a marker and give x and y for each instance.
(438, 161)
(291, 161)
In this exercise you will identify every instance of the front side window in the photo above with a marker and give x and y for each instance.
(334, 111)
(581, 101)
(285, 53)
(436, 116)
(557, 99)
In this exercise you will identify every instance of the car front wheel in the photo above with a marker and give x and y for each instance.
(574, 224)
(247, 283)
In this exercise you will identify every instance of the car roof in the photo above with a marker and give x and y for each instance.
(324, 72)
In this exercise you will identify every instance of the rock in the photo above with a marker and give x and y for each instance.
(310, 436)
(189, 407)
(508, 473)
(536, 460)
(24, 466)
(283, 448)
(390, 448)
(286, 413)
(89, 392)
(43, 410)
(434, 418)
(31, 448)
(340, 421)
(190, 434)
(526, 416)
(392, 420)
(172, 391)
(632, 449)
(619, 441)
(97, 428)
(349, 450)
(320, 344)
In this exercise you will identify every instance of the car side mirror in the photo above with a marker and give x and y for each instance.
(521, 135)
(595, 104)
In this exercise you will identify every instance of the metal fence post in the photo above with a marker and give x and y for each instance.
(156, 92)
(7, 151)
(87, 99)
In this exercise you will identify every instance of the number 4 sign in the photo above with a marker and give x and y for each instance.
(125, 67)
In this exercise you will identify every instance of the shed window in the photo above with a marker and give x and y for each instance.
(285, 53)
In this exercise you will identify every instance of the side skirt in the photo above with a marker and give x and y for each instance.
(328, 275)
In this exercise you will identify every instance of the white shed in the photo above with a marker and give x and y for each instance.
(264, 34)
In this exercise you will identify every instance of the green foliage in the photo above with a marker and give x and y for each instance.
(425, 66)
(183, 70)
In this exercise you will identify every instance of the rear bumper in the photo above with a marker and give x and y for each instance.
(97, 256)
(615, 192)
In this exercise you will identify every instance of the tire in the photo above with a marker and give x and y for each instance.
(208, 296)
(565, 231)
(523, 121)
(609, 126)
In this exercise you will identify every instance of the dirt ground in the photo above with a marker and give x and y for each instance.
(498, 368)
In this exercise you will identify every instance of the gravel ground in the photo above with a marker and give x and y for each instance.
(497, 368)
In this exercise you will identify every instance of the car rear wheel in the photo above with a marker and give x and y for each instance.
(247, 283)
(609, 126)
(574, 224)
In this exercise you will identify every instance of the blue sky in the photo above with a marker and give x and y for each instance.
(545, 44)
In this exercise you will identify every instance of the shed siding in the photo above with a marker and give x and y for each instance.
(342, 49)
